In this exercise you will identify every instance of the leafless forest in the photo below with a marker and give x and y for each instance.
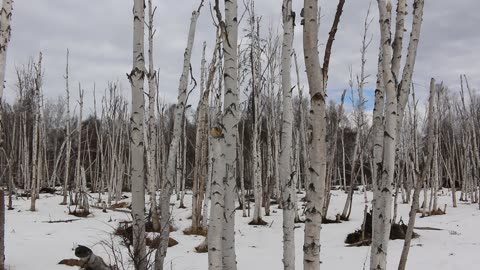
(260, 140)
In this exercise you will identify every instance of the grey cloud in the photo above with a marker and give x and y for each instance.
(98, 34)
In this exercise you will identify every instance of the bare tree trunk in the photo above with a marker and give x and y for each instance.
(136, 78)
(183, 173)
(418, 185)
(303, 136)
(201, 154)
(152, 135)
(5, 33)
(286, 177)
(2, 229)
(67, 139)
(78, 177)
(215, 225)
(217, 168)
(395, 106)
(230, 121)
(382, 211)
(208, 144)
(167, 187)
(317, 80)
(36, 131)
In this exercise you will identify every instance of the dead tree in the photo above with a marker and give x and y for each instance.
(396, 95)
(136, 78)
(317, 76)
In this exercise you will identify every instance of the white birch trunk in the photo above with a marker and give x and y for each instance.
(201, 154)
(422, 176)
(382, 211)
(230, 121)
(317, 80)
(5, 32)
(215, 225)
(285, 170)
(78, 177)
(168, 184)
(67, 138)
(395, 106)
(152, 135)
(36, 132)
(136, 140)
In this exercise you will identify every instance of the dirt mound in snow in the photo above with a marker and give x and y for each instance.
(398, 231)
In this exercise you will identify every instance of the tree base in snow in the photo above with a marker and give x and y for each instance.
(125, 231)
(79, 213)
(437, 212)
(259, 222)
(355, 239)
(199, 231)
(331, 221)
(203, 247)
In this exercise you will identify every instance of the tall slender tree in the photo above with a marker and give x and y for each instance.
(396, 91)
(286, 177)
(317, 77)
(136, 78)
(167, 187)
(5, 32)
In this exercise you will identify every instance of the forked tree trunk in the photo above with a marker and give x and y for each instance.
(396, 99)
(317, 80)
(136, 78)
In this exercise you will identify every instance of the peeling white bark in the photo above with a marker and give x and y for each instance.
(136, 143)
(285, 170)
(230, 122)
(168, 184)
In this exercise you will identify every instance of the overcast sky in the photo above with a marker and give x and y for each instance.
(99, 36)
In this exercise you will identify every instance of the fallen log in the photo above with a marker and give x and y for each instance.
(62, 221)
(87, 260)
(428, 228)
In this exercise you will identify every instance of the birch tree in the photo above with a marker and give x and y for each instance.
(78, 177)
(36, 131)
(152, 135)
(5, 32)
(228, 130)
(167, 187)
(255, 69)
(422, 176)
(289, 199)
(67, 137)
(230, 124)
(202, 141)
(215, 225)
(136, 78)
(317, 77)
(394, 110)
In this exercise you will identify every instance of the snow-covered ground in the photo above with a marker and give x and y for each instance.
(33, 243)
